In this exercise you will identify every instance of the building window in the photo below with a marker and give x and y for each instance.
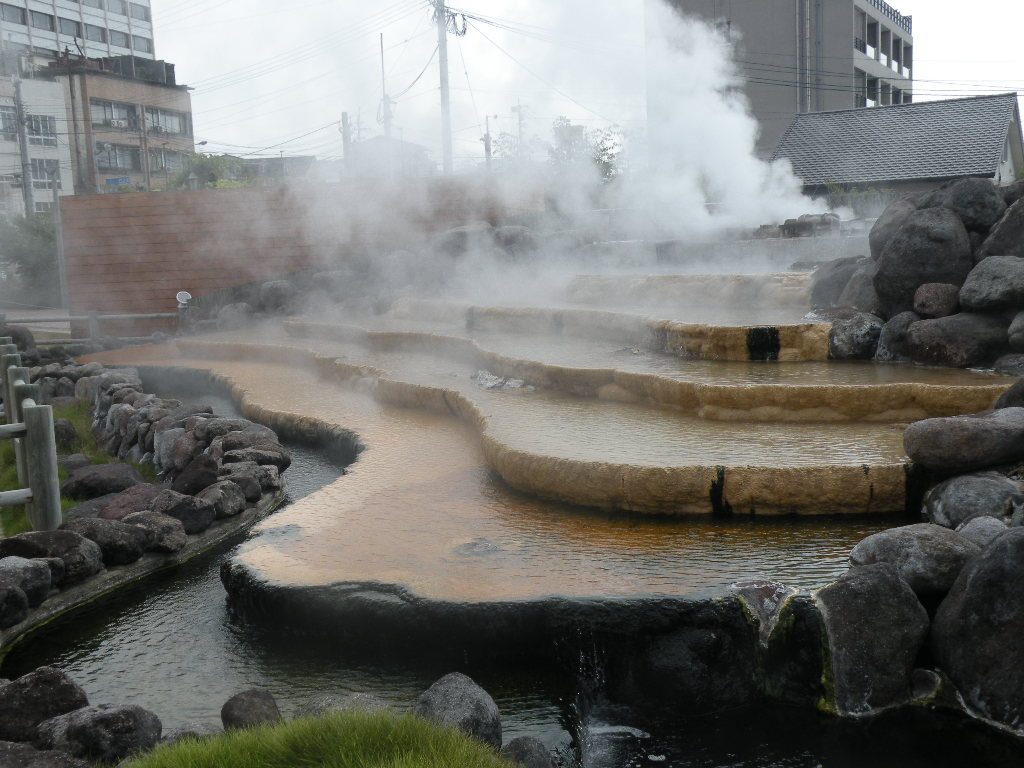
(113, 114)
(118, 38)
(42, 130)
(96, 34)
(45, 173)
(44, 207)
(140, 12)
(42, 21)
(117, 6)
(143, 44)
(166, 160)
(116, 157)
(70, 27)
(93, 3)
(8, 124)
(165, 121)
(12, 13)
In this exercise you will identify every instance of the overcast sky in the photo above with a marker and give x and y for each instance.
(266, 72)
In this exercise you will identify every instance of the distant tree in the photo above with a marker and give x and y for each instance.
(506, 146)
(30, 246)
(212, 172)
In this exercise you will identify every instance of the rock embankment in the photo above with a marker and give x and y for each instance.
(944, 282)
(210, 470)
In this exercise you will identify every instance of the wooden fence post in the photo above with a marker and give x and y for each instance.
(45, 511)
(15, 416)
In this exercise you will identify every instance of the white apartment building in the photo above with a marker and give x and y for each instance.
(49, 150)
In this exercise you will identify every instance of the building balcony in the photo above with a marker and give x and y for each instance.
(905, 23)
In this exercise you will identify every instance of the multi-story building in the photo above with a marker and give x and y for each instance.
(47, 153)
(801, 56)
(39, 29)
(129, 123)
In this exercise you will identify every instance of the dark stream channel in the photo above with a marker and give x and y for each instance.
(172, 646)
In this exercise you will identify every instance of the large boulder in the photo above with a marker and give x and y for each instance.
(976, 638)
(82, 558)
(892, 342)
(249, 709)
(875, 627)
(272, 456)
(14, 605)
(959, 341)
(932, 246)
(227, 498)
(982, 530)
(893, 217)
(166, 534)
(1016, 333)
(1012, 192)
(13, 755)
(860, 293)
(1010, 365)
(1007, 236)
(35, 697)
(1012, 398)
(120, 543)
(276, 296)
(967, 443)
(928, 557)
(455, 701)
(22, 336)
(100, 480)
(528, 752)
(246, 477)
(106, 734)
(961, 499)
(831, 279)
(196, 515)
(234, 316)
(199, 474)
(136, 499)
(978, 202)
(997, 283)
(855, 338)
(934, 300)
(33, 577)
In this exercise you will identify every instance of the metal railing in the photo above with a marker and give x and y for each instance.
(95, 324)
(30, 427)
(904, 22)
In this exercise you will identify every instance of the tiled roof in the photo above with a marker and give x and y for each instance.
(927, 140)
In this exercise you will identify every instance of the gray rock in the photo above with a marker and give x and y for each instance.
(14, 606)
(892, 343)
(859, 293)
(959, 341)
(99, 480)
(33, 577)
(66, 435)
(932, 246)
(218, 427)
(982, 530)
(251, 437)
(276, 296)
(997, 283)
(247, 477)
(196, 515)
(35, 697)
(831, 279)
(105, 733)
(26, 756)
(192, 732)
(455, 701)
(57, 570)
(325, 704)
(279, 457)
(516, 241)
(528, 752)
(1010, 365)
(855, 338)
(163, 445)
(1017, 333)
(459, 241)
(184, 450)
(1012, 398)
(249, 709)
(978, 202)
(234, 316)
(74, 461)
(1013, 192)
(935, 300)
(120, 543)
(875, 627)
(888, 224)
(977, 631)
(166, 534)
(928, 557)
(967, 443)
(1007, 236)
(82, 558)
(227, 498)
(199, 474)
(961, 499)
(136, 499)
(90, 508)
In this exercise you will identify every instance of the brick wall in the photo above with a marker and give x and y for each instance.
(132, 253)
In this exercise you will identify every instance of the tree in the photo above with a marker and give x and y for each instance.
(30, 245)
(212, 172)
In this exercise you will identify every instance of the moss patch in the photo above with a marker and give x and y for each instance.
(343, 740)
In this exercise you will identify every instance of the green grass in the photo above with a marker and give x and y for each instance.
(13, 520)
(344, 740)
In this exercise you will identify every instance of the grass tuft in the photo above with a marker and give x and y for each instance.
(13, 520)
(342, 740)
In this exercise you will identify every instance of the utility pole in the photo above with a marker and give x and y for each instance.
(488, 144)
(346, 139)
(519, 110)
(446, 96)
(79, 175)
(385, 101)
(26, 165)
(58, 225)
